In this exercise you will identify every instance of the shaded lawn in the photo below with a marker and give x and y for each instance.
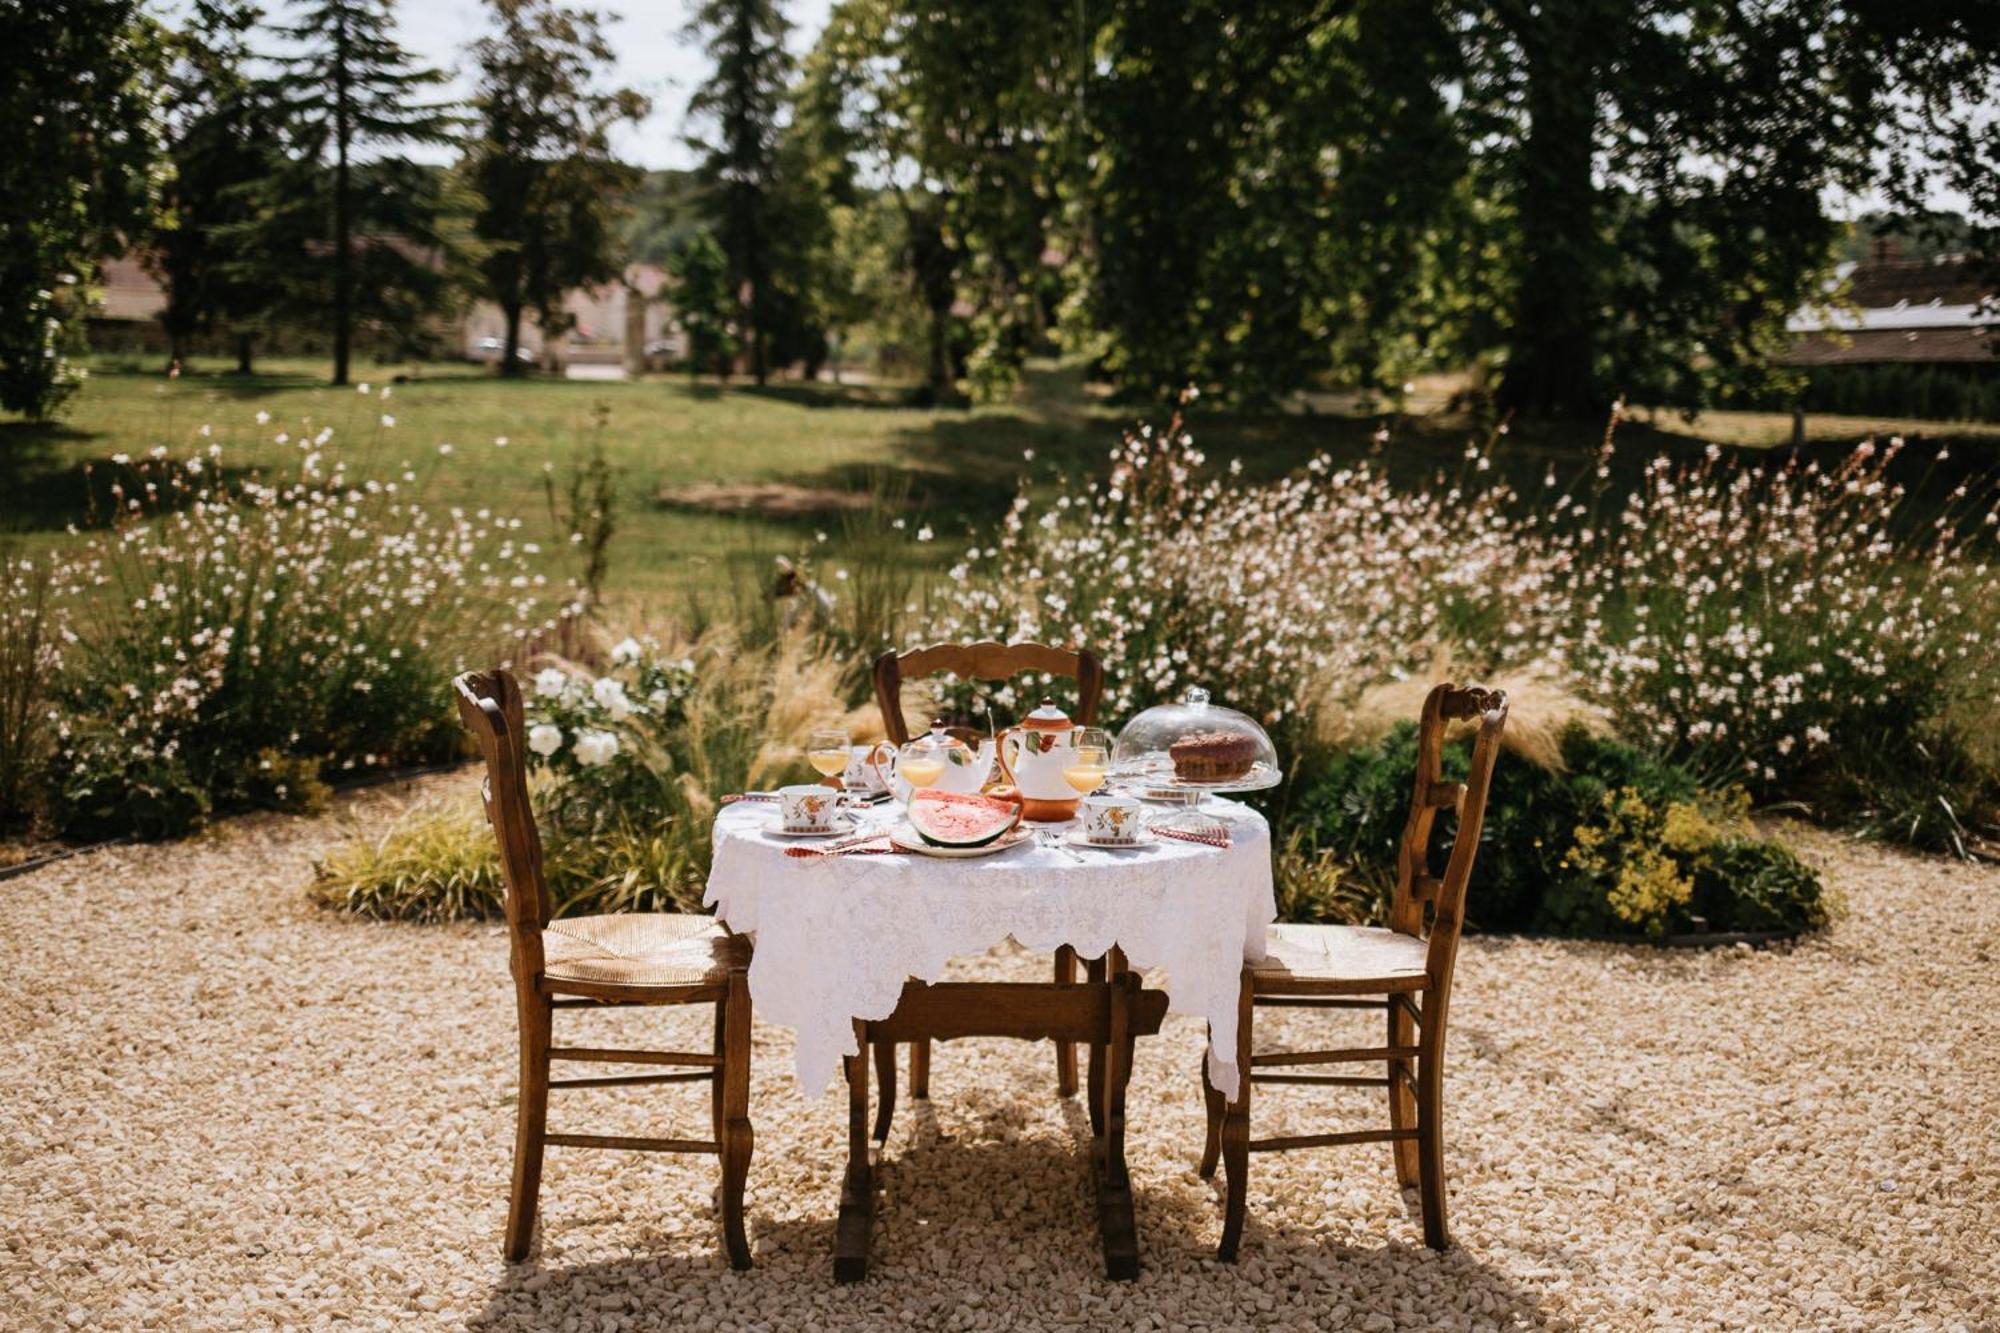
(951, 467)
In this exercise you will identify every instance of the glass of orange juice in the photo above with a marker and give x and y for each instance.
(826, 751)
(921, 762)
(1089, 751)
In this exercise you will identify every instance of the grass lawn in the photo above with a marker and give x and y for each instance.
(787, 452)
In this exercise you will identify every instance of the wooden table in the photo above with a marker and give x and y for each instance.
(1107, 1011)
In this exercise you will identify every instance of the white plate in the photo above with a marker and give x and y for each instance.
(905, 838)
(1143, 839)
(842, 823)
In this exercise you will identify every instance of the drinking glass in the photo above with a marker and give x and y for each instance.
(1088, 755)
(826, 751)
(921, 762)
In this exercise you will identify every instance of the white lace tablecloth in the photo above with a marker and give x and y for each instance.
(837, 937)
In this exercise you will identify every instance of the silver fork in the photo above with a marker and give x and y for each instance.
(1048, 837)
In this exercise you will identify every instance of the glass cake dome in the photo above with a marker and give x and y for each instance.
(1193, 745)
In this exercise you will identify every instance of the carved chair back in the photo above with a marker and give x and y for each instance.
(985, 660)
(1419, 892)
(489, 703)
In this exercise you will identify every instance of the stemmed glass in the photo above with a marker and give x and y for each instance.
(826, 751)
(1089, 753)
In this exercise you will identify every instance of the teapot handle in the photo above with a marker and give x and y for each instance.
(1000, 752)
(876, 759)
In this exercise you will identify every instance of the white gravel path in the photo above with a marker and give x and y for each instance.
(226, 1110)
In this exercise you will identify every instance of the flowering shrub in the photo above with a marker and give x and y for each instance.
(1269, 596)
(1798, 629)
(230, 638)
(31, 626)
(1616, 842)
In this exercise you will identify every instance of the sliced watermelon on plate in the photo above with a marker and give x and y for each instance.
(956, 819)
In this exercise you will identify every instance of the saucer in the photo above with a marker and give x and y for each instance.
(842, 823)
(1142, 839)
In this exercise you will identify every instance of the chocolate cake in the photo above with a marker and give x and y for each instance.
(1212, 756)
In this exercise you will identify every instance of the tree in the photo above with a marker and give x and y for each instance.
(79, 178)
(1660, 169)
(354, 89)
(551, 190)
(741, 104)
(705, 302)
(221, 138)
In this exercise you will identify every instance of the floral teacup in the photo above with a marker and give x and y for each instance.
(808, 808)
(1111, 818)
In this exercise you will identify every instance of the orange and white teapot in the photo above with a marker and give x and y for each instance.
(1033, 755)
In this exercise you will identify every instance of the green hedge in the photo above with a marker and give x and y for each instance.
(1619, 843)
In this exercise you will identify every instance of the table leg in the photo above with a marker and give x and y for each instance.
(1094, 1076)
(1114, 1185)
(857, 1191)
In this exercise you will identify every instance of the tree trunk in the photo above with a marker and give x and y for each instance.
(245, 346)
(343, 239)
(510, 346)
(939, 377)
(1550, 370)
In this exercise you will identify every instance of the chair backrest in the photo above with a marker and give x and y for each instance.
(985, 660)
(1417, 888)
(489, 702)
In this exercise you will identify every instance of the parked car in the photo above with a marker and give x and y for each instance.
(493, 348)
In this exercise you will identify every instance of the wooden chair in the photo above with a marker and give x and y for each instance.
(1333, 967)
(985, 660)
(592, 961)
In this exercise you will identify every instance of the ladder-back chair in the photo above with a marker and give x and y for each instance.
(593, 961)
(985, 660)
(1408, 964)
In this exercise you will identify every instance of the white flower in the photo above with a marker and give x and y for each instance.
(610, 696)
(595, 747)
(924, 533)
(388, 420)
(361, 387)
(550, 682)
(545, 738)
(444, 449)
(263, 417)
(625, 653)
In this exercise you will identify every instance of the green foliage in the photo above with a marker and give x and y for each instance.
(347, 240)
(741, 104)
(79, 177)
(31, 626)
(551, 190)
(437, 862)
(705, 303)
(221, 138)
(231, 642)
(1618, 843)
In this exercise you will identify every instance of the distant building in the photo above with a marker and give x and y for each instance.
(1914, 337)
(627, 322)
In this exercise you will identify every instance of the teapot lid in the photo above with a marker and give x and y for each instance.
(1047, 718)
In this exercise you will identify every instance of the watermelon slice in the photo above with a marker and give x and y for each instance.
(955, 819)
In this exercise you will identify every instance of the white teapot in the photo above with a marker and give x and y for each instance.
(1033, 755)
(942, 762)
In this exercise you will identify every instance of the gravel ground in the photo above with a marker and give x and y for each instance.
(230, 1111)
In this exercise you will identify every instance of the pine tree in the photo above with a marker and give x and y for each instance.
(552, 192)
(741, 102)
(353, 89)
(222, 139)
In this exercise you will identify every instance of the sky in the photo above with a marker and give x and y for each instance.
(652, 58)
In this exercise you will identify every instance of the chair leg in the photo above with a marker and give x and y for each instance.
(885, 1077)
(1430, 1129)
(715, 1083)
(531, 1123)
(1402, 1102)
(1211, 1150)
(1236, 1131)
(738, 1139)
(920, 1068)
(1065, 1050)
